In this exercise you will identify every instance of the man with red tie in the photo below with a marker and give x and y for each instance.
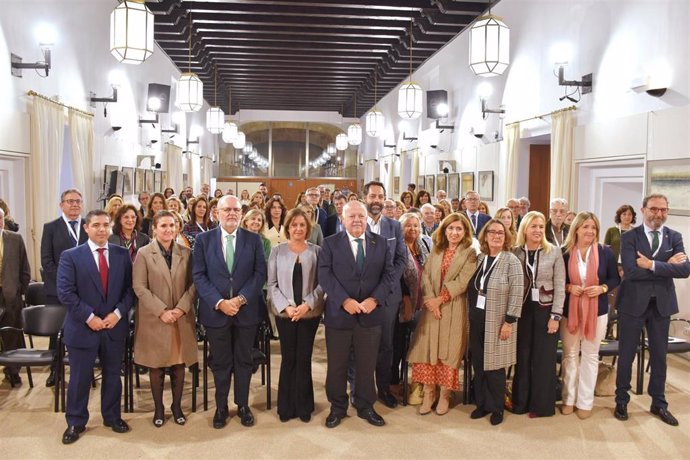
(94, 282)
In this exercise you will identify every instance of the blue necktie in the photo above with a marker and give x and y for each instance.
(474, 220)
(360, 253)
(73, 224)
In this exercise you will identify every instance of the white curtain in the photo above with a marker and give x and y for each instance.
(402, 174)
(562, 124)
(47, 143)
(512, 144)
(206, 170)
(173, 163)
(390, 177)
(414, 174)
(195, 173)
(81, 132)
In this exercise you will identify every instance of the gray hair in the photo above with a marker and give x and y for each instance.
(350, 204)
(410, 215)
(427, 206)
(561, 201)
(525, 200)
(68, 191)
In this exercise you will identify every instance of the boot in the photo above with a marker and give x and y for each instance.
(428, 400)
(443, 402)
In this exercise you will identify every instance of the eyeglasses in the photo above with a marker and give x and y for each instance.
(655, 210)
(495, 232)
(558, 211)
(390, 206)
(229, 210)
(72, 202)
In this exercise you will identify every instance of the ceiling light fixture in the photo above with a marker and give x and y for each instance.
(410, 93)
(489, 46)
(190, 89)
(215, 117)
(354, 131)
(375, 120)
(131, 32)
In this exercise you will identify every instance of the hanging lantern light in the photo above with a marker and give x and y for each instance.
(248, 148)
(341, 141)
(190, 89)
(240, 140)
(354, 134)
(215, 117)
(375, 121)
(410, 93)
(131, 32)
(229, 133)
(330, 149)
(489, 46)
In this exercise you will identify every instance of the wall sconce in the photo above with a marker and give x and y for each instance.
(390, 146)
(93, 100)
(46, 39)
(173, 131)
(486, 111)
(583, 86)
(153, 122)
(411, 138)
(442, 128)
(484, 91)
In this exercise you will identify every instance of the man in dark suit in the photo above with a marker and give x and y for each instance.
(61, 234)
(229, 271)
(652, 255)
(144, 198)
(374, 197)
(556, 229)
(94, 282)
(313, 197)
(356, 272)
(477, 219)
(326, 200)
(334, 223)
(15, 274)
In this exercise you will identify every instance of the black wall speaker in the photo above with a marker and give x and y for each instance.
(162, 92)
(433, 99)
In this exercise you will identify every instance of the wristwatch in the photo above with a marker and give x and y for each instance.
(556, 317)
(605, 288)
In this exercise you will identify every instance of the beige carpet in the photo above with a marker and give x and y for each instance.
(29, 429)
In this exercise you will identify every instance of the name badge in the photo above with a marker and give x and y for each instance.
(481, 302)
(535, 294)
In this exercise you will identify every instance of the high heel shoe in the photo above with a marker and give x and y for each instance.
(158, 419)
(178, 417)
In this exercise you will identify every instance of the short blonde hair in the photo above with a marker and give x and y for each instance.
(526, 222)
(251, 214)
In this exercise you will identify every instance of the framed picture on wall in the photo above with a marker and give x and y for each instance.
(128, 181)
(429, 184)
(165, 179)
(467, 182)
(441, 183)
(158, 181)
(671, 178)
(140, 181)
(486, 185)
(108, 176)
(396, 186)
(453, 185)
(148, 181)
(420, 183)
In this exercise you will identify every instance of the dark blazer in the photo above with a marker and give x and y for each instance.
(607, 273)
(548, 230)
(56, 239)
(321, 218)
(15, 276)
(640, 284)
(332, 225)
(80, 290)
(482, 219)
(214, 282)
(341, 278)
(141, 241)
(392, 232)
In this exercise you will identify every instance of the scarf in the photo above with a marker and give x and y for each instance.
(412, 274)
(583, 309)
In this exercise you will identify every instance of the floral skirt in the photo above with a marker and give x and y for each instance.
(436, 374)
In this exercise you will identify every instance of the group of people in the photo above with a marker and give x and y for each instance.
(498, 291)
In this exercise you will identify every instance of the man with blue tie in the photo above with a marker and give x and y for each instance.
(477, 219)
(652, 255)
(94, 282)
(334, 222)
(61, 234)
(313, 198)
(356, 273)
(229, 271)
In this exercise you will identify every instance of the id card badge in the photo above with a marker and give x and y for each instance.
(535, 294)
(481, 302)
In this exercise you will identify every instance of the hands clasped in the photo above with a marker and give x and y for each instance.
(434, 306)
(298, 312)
(171, 316)
(230, 306)
(109, 322)
(366, 306)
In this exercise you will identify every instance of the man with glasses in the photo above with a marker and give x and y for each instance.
(556, 228)
(313, 198)
(653, 255)
(65, 232)
(144, 198)
(477, 219)
(229, 271)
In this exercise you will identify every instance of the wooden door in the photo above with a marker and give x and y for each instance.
(540, 177)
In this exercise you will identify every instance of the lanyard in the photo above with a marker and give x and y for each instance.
(200, 227)
(474, 226)
(71, 231)
(485, 273)
(555, 240)
(533, 269)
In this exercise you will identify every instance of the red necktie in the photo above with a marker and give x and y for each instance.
(103, 269)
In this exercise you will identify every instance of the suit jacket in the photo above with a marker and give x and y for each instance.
(548, 230)
(14, 276)
(550, 278)
(332, 225)
(214, 282)
(607, 273)
(341, 278)
(329, 207)
(56, 239)
(80, 290)
(321, 219)
(639, 284)
(158, 289)
(392, 232)
(482, 219)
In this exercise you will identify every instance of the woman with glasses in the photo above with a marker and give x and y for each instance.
(495, 302)
(126, 231)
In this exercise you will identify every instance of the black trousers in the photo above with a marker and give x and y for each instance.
(295, 385)
(489, 386)
(365, 342)
(231, 347)
(629, 330)
(384, 361)
(534, 386)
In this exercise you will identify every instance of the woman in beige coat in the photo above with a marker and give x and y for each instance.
(440, 339)
(495, 303)
(165, 324)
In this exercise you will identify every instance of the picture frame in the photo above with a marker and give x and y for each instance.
(485, 186)
(148, 181)
(158, 181)
(164, 179)
(429, 184)
(672, 179)
(442, 182)
(467, 182)
(107, 176)
(140, 181)
(453, 185)
(420, 183)
(127, 181)
(396, 186)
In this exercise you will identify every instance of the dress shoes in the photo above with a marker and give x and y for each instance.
(584, 414)
(305, 418)
(333, 420)
(664, 415)
(370, 415)
(13, 378)
(388, 399)
(621, 412)
(220, 418)
(496, 418)
(567, 410)
(478, 413)
(246, 416)
(72, 433)
(50, 381)
(118, 426)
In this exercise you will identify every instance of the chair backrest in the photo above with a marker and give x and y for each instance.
(43, 320)
(36, 294)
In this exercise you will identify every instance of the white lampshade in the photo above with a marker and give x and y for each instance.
(131, 32)
(410, 100)
(240, 140)
(215, 120)
(375, 122)
(341, 141)
(229, 132)
(330, 149)
(489, 46)
(354, 134)
(248, 148)
(190, 93)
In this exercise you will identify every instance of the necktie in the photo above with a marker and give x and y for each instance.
(474, 220)
(655, 241)
(73, 224)
(360, 253)
(103, 269)
(229, 252)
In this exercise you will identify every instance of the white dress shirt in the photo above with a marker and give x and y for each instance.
(93, 247)
(648, 233)
(354, 244)
(374, 226)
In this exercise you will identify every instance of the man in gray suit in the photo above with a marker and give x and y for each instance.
(15, 275)
(652, 255)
